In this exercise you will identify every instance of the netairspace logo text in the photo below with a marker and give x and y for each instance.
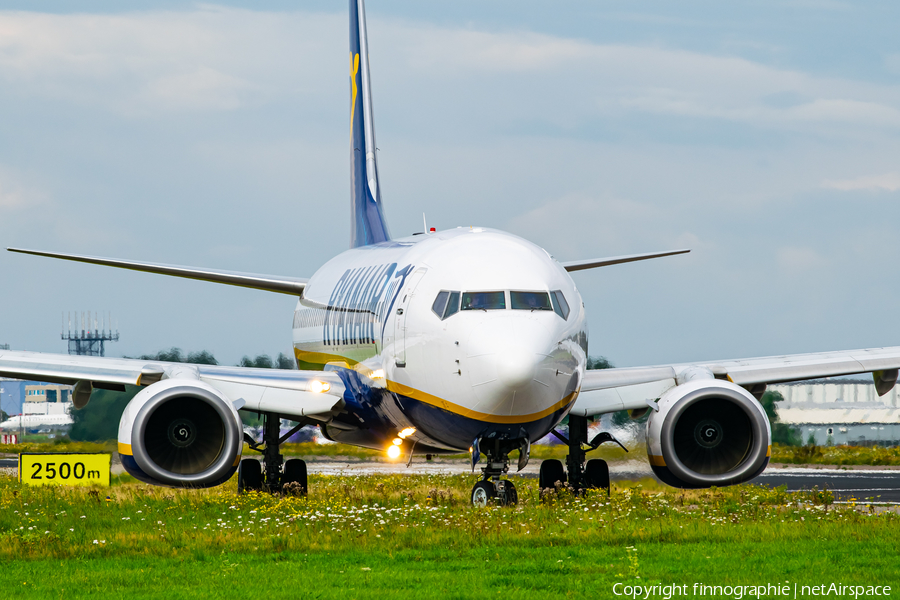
(738, 592)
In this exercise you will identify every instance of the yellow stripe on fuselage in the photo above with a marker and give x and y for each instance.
(321, 359)
(399, 388)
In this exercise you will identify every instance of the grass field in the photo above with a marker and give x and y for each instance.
(387, 536)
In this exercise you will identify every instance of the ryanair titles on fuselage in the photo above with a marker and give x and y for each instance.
(359, 303)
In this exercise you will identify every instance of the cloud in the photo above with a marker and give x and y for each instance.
(608, 80)
(203, 88)
(15, 194)
(582, 226)
(222, 59)
(799, 259)
(888, 182)
(134, 63)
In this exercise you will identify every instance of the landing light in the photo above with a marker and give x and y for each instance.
(319, 387)
(406, 432)
(397, 441)
(393, 451)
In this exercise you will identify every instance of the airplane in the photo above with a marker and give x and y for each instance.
(467, 339)
(36, 423)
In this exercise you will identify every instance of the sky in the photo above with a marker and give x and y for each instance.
(763, 135)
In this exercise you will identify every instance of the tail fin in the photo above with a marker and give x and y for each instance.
(369, 226)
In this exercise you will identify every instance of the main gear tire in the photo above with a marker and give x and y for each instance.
(294, 478)
(551, 473)
(249, 476)
(596, 474)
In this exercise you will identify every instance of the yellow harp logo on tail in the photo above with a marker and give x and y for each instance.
(354, 69)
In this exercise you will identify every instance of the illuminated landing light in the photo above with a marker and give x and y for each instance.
(319, 387)
(406, 433)
(397, 441)
(378, 374)
(393, 451)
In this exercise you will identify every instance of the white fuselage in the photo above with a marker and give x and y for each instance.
(452, 377)
(30, 422)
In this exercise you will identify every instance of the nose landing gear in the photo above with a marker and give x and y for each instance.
(491, 489)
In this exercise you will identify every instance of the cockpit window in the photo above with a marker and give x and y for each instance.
(560, 305)
(452, 305)
(530, 301)
(483, 301)
(440, 303)
(445, 304)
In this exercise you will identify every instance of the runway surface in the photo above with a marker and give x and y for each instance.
(847, 484)
(882, 486)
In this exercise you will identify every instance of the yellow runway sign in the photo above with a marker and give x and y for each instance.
(64, 469)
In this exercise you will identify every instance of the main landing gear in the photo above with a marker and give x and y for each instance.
(581, 476)
(491, 489)
(274, 475)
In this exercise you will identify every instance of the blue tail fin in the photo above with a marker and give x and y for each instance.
(369, 226)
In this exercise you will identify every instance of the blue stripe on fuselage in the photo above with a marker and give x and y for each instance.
(458, 431)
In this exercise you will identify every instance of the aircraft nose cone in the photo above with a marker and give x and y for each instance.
(509, 365)
(516, 367)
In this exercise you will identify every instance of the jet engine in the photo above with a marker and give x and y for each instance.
(181, 433)
(707, 433)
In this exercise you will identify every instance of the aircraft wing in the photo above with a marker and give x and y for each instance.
(313, 394)
(292, 286)
(610, 390)
(593, 263)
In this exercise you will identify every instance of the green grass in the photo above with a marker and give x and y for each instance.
(61, 444)
(836, 455)
(383, 536)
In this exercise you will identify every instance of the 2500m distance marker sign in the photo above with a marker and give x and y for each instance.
(64, 469)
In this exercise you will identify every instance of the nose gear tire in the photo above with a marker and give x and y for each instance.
(483, 493)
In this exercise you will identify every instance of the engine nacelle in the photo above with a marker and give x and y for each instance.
(707, 433)
(181, 433)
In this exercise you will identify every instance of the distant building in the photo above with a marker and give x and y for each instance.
(46, 408)
(47, 392)
(16, 394)
(841, 411)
